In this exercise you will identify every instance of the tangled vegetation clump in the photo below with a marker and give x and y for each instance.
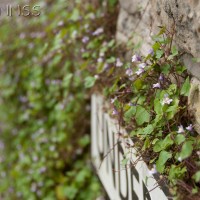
(149, 98)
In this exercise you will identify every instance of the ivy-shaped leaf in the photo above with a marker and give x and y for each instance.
(186, 150)
(142, 115)
(163, 144)
(186, 87)
(163, 157)
(89, 81)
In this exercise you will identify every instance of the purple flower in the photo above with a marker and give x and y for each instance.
(190, 127)
(114, 112)
(180, 129)
(106, 66)
(100, 60)
(139, 71)
(142, 65)
(101, 54)
(113, 100)
(98, 32)
(157, 85)
(85, 39)
(129, 72)
(151, 52)
(60, 23)
(161, 78)
(136, 58)
(118, 63)
(166, 100)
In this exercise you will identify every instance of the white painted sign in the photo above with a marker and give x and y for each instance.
(132, 182)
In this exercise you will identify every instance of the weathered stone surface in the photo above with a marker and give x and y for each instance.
(193, 67)
(143, 19)
(133, 6)
(194, 102)
(134, 26)
(186, 17)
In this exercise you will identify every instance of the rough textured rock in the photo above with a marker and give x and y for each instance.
(143, 17)
(194, 102)
(185, 15)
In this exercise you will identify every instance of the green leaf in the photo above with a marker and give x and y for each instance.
(186, 87)
(174, 51)
(89, 81)
(157, 106)
(138, 84)
(156, 46)
(163, 157)
(159, 53)
(196, 177)
(130, 113)
(165, 68)
(146, 144)
(125, 161)
(110, 60)
(176, 172)
(163, 144)
(186, 150)
(179, 139)
(148, 130)
(142, 115)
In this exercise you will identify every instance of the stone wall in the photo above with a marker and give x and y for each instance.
(142, 18)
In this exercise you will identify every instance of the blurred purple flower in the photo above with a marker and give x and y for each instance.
(180, 129)
(190, 127)
(157, 85)
(136, 58)
(129, 72)
(166, 100)
(85, 39)
(142, 65)
(139, 71)
(118, 63)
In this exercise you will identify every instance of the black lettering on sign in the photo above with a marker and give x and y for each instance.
(123, 176)
(146, 194)
(99, 131)
(135, 174)
(108, 150)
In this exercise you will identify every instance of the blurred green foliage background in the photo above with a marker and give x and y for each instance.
(44, 106)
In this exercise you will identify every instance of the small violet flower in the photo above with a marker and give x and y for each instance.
(136, 58)
(139, 71)
(100, 60)
(101, 54)
(166, 100)
(180, 129)
(153, 170)
(85, 39)
(129, 72)
(98, 31)
(118, 63)
(113, 100)
(142, 65)
(114, 112)
(161, 78)
(151, 52)
(190, 127)
(157, 85)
